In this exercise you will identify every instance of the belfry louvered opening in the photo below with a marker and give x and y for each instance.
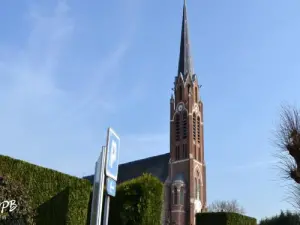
(194, 126)
(198, 128)
(184, 124)
(177, 127)
(177, 152)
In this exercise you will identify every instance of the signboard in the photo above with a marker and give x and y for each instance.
(111, 169)
(111, 186)
(112, 154)
(98, 189)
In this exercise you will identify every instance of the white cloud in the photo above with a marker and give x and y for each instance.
(38, 118)
(29, 94)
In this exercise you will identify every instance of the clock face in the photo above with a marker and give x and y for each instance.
(180, 107)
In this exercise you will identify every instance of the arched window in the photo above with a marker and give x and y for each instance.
(194, 126)
(184, 125)
(181, 196)
(198, 128)
(177, 127)
(175, 200)
(180, 93)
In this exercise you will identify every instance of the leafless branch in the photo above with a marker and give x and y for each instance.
(226, 206)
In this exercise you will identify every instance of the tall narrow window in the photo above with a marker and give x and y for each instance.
(180, 93)
(196, 94)
(196, 187)
(175, 201)
(194, 126)
(177, 127)
(189, 88)
(184, 124)
(199, 188)
(184, 151)
(181, 196)
(177, 153)
(198, 128)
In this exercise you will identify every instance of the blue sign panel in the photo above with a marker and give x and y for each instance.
(112, 154)
(111, 186)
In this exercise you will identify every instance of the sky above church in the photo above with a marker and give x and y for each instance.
(69, 69)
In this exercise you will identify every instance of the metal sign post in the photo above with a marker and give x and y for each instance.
(111, 170)
(98, 189)
(106, 212)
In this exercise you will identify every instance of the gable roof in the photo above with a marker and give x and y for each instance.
(156, 166)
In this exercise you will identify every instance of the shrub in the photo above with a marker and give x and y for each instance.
(58, 198)
(137, 202)
(20, 211)
(286, 218)
(224, 218)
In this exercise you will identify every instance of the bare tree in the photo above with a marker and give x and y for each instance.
(226, 206)
(288, 143)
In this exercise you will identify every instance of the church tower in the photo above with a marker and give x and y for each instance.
(185, 187)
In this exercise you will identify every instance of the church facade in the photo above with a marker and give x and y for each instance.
(183, 169)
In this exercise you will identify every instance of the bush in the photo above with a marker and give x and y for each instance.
(19, 211)
(286, 218)
(137, 202)
(58, 198)
(224, 218)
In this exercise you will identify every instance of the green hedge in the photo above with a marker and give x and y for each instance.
(58, 198)
(284, 218)
(137, 202)
(224, 218)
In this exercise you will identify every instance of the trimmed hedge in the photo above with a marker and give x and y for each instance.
(11, 190)
(137, 202)
(57, 197)
(224, 218)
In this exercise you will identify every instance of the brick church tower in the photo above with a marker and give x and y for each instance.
(185, 187)
(182, 170)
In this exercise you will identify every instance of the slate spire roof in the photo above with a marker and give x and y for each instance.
(185, 65)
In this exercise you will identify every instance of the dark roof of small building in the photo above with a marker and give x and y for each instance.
(156, 166)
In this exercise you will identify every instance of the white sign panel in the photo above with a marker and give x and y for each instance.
(112, 154)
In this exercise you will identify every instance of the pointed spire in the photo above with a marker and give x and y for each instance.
(185, 65)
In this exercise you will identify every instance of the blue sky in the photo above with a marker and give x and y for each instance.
(69, 70)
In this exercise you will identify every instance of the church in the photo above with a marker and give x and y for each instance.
(183, 169)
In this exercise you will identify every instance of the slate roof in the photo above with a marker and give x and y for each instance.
(156, 165)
